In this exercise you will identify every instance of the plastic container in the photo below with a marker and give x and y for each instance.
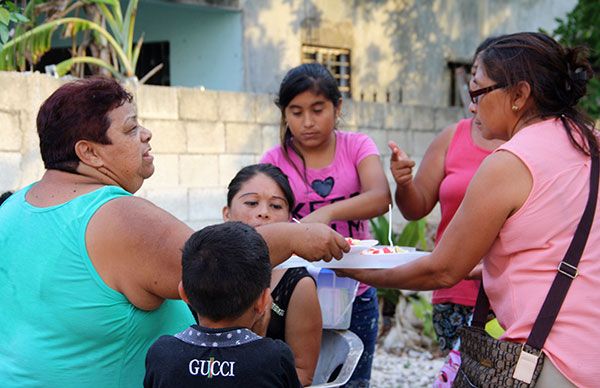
(336, 295)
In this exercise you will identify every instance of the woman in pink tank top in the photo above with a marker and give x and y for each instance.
(524, 203)
(443, 176)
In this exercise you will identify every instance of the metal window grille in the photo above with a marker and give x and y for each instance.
(337, 60)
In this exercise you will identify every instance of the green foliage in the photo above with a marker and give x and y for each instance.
(10, 15)
(413, 234)
(31, 43)
(423, 310)
(581, 27)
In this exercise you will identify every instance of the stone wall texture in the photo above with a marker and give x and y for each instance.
(201, 138)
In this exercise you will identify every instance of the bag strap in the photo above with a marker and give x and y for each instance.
(567, 271)
(482, 308)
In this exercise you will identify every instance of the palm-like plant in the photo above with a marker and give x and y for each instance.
(118, 38)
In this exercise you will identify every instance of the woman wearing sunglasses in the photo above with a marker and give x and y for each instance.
(524, 204)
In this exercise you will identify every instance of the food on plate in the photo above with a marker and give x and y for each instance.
(353, 241)
(387, 250)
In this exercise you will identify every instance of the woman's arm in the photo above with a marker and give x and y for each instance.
(498, 189)
(310, 241)
(303, 328)
(417, 197)
(136, 246)
(371, 202)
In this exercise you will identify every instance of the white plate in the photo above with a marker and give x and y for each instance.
(364, 244)
(356, 260)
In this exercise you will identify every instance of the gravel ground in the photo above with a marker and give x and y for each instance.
(412, 369)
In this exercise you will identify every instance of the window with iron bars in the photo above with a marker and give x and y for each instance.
(336, 60)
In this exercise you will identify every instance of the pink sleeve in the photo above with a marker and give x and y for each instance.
(269, 157)
(364, 146)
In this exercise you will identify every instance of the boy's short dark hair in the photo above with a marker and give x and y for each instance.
(225, 269)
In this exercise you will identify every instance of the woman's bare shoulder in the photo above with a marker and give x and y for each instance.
(305, 289)
(136, 248)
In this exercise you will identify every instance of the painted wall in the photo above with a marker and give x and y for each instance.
(395, 44)
(205, 43)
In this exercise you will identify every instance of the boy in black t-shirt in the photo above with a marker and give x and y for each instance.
(225, 278)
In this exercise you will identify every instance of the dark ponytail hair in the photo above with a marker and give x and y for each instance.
(312, 77)
(557, 75)
(249, 172)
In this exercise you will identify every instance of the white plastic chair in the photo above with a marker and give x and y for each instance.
(340, 351)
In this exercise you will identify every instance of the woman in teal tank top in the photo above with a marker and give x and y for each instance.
(89, 273)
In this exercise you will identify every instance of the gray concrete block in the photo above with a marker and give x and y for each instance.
(31, 168)
(422, 118)
(270, 137)
(243, 138)
(397, 116)
(201, 224)
(198, 104)
(266, 110)
(237, 107)
(15, 93)
(199, 170)
(28, 128)
(402, 138)
(206, 205)
(10, 167)
(172, 199)
(41, 86)
(157, 102)
(166, 167)
(447, 116)
(168, 136)
(422, 140)
(370, 114)
(205, 137)
(349, 116)
(10, 131)
(230, 164)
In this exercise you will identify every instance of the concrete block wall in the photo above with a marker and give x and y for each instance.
(201, 138)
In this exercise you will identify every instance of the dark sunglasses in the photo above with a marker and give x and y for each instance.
(476, 94)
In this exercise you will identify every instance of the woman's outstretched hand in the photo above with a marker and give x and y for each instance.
(400, 165)
(311, 241)
(315, 241)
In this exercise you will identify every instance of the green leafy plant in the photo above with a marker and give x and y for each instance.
(580, 28)
(423, 310)
(9, 15)
(412, 235)
(29, 45)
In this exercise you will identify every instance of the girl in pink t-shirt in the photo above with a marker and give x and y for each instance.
(336, 176)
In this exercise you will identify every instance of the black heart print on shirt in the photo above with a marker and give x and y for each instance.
(323, 187)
